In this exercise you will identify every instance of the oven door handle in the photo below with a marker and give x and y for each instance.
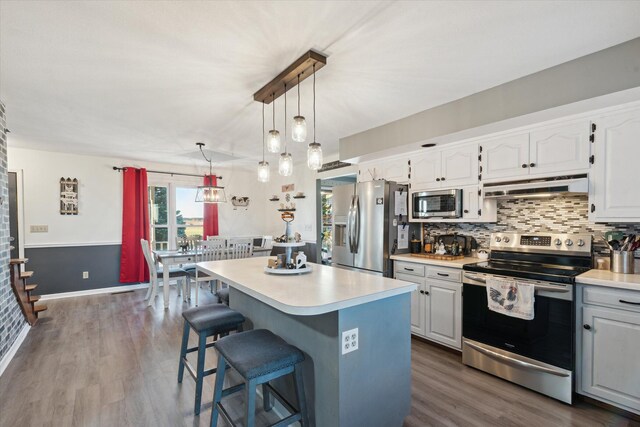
(516, 362)
(537, 287)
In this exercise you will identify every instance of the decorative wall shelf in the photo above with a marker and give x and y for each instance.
(277, 199)
(287, 210)
(299, 197)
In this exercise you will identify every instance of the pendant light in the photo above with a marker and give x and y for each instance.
(263, 167)
(314, 152)
(273, 143)
(285, 165)
(299, 127)
(209, 193)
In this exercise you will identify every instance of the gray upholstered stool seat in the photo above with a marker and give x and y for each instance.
(223, 295)
(208, 320)
(258, 352)
(259, 356)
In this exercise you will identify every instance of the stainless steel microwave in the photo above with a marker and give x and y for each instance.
(436, 204)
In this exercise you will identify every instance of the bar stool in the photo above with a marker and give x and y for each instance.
(223, 295)
(206, 321)
(259, 356)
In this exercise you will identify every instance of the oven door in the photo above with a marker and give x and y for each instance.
(436, 204)
(547, 338)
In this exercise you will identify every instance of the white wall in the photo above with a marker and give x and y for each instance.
(100, 197)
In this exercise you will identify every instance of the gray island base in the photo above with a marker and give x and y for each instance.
(370, 386)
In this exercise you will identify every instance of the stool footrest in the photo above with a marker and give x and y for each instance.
(193, 373)
(192, 349)
(288, 406)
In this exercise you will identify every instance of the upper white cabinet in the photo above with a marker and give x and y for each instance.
(390, 169)
(559, 149)
(556, 150)
(614, 189)
(448, 168)
(505, 157)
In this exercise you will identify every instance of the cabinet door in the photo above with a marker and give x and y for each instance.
(470, 202)
(616, 163)
(610, 349)
(459, 166)
(425, 171)
(562, 149)
(443, 312)
(396, 170)
(417, 303)
(506, 157)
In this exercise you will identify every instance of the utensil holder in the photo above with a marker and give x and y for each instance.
(622, 262)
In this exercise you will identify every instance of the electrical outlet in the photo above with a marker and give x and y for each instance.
(85, 274)
(39, 228)
(349, 341)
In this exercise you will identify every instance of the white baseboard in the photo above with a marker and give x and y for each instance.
(94, 291)
(14, 348)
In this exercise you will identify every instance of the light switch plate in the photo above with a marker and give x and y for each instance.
(39, 228)
(349, 341)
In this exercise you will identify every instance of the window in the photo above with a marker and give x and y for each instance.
(173, 213)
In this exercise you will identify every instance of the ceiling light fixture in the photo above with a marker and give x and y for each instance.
(314, 152)
(299, 127)
(285, 165)
(263, 167)
(274, 136)
(209, 193)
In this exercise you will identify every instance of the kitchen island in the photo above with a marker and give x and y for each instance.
(369, 386)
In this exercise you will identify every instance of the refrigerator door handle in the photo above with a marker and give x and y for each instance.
(356, 221)
(350, 226)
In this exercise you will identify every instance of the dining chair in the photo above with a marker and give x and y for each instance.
(207, 251)
(241, 248)
(156, 274)
(220, 241)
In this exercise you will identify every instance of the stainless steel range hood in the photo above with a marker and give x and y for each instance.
(544, 187)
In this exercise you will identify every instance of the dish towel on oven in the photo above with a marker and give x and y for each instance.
(511, 297)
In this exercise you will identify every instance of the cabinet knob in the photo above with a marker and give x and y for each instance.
(443, 178)
(422, 292)
(524, 165)
(438, 179)
(533, 165)
(466, 211)
(587, 327)
(426, 292)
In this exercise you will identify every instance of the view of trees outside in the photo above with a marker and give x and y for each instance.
(188, 217)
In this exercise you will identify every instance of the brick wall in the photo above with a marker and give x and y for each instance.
(11, 318)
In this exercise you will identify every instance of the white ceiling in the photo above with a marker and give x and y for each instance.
(146, 80)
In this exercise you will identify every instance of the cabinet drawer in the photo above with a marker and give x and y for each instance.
(444, 273)
(616, 298)
(409, 268)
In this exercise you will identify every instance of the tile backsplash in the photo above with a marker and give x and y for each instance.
(562, 214)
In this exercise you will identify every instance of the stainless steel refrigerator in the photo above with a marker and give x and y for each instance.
(365, 225)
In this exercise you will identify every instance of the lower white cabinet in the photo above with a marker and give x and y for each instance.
(608, 332)
(437, 303)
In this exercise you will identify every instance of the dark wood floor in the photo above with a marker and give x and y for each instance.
(107, 360)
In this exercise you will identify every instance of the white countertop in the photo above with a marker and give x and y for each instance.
(458, 263)
(609, 279)
(323, 290)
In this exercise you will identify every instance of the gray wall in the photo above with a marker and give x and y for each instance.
(11, 318)
(605, 72)
(59, 269)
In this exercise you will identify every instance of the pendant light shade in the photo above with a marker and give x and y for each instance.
(273, 141)
(211, 194)
(285, 165)
(263, 171)
(299, 129)
(314, 156)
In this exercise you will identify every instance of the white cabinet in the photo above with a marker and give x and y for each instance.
(447, 168)
(417, 303)
(550, 151)
(614, 193)
(443, 322)
(608, 346)
(389, 169)
(437, 303)
(471, 203)
(560, 149)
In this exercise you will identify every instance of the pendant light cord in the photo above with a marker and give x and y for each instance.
(314, 102)
(285, 118)
(298, 94)
(208, 160)
(263, 132)
(273, 109)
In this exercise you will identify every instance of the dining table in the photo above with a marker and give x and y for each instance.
(170, 258)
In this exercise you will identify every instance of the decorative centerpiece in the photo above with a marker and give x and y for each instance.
(288, 262)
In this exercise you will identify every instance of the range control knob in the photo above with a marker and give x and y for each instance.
(558, 242)
(498, 239)
(568, 242)
(580, 242)
(506, 240)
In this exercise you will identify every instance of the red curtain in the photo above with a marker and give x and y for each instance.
(210, 211)
(135, 225)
